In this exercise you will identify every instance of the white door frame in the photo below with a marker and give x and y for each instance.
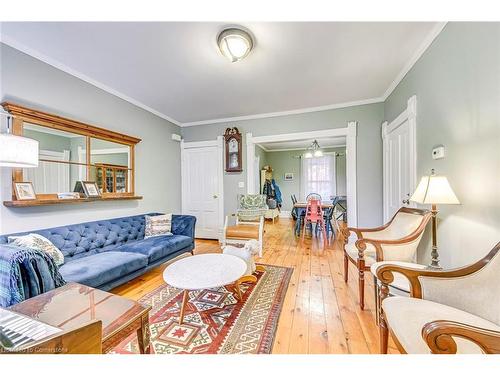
(410, 115)
(349, 132)
(219, 143)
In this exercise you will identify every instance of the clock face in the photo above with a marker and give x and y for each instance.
(233, 145)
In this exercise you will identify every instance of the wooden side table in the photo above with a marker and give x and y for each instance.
(74, 304)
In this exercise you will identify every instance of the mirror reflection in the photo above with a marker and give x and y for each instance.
(62, 159)
(111, 163)
(106, 152)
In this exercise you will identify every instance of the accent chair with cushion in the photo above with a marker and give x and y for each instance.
(395, 241)
(243, 231)
(251, 207)
(452, 311)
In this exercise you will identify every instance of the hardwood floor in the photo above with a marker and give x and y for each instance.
(320, 313)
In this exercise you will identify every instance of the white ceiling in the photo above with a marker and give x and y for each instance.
(175, 70)
(303, 144)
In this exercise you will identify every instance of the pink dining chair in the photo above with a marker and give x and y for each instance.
(314, 214)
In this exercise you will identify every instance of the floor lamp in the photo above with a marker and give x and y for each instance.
(434, 190)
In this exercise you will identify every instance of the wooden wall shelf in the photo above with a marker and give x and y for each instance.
(48, 202)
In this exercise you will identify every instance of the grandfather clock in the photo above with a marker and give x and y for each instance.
(232, 138)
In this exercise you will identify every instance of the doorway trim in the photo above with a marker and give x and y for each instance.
(350, 132)
(410, 115)
(219, 143)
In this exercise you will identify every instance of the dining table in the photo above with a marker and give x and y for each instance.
(300, 209)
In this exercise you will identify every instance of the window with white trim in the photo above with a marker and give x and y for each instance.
(318, 176)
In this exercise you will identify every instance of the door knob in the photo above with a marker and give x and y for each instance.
(406, 201)
(215, 196)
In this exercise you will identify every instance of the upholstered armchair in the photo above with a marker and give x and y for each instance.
(453, 311)
(396, 241)
(251, 207)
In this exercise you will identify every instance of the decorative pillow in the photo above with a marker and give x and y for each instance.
(37, 242)
(160, 225)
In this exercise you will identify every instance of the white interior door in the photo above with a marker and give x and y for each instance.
(399, 161)
(202, 187)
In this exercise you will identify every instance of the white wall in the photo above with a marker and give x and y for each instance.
(30, 82)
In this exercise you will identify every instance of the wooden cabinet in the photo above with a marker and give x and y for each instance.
(111, 179)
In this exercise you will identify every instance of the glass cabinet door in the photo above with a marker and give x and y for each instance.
(121, 180)
(110, 183)
(100, 178)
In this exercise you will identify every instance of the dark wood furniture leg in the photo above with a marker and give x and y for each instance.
(361, 267)
(346, 268)
(143, 335)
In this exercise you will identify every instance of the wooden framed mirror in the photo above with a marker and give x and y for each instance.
(71, 151)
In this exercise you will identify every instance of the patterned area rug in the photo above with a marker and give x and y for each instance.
(215, 321)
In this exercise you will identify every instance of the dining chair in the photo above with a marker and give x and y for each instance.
(314, 215)
(313, 196)
(328, 216)
(294, 209)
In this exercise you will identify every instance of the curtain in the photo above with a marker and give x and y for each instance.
(318, 176)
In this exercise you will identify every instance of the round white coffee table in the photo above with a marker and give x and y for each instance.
(204, 271)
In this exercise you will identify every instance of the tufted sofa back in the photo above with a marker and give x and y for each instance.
(80, 240)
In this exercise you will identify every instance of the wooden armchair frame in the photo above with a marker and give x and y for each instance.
(361, 243)
(437, 334)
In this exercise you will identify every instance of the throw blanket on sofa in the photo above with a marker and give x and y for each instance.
(25, 273)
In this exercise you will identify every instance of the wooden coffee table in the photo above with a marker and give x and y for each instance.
(205, 271)
(73, 304)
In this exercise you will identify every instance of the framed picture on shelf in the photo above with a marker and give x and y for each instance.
(24, 191)
(88, 188)
(288, 176)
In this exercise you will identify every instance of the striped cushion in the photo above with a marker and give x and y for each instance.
(159, 225)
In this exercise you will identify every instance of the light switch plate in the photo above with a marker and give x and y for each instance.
(438, 152)
(241, 184)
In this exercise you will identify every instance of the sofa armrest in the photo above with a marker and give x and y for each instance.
(183, 225)
(439, 336)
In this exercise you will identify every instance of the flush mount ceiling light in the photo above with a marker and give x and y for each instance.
(235, 43)
(313, 150)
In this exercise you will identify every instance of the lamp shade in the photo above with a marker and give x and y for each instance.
(18, 152)
(434, 190)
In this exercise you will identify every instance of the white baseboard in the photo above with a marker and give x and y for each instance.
(286, 214)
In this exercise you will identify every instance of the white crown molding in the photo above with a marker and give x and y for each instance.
(418, 53)
(58, 65)
(303, 148)
(285, 113)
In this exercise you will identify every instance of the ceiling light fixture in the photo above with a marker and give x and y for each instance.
(235, 43)
(313, 150)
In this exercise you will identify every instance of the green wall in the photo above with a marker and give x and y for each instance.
(369, 150)
(28, 81)
(457, 84)
(289, 161)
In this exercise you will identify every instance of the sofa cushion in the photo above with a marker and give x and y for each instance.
(407, 316)
(95, 270)
(157, 247)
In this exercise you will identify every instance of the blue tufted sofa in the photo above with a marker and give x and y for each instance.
(104, 254)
